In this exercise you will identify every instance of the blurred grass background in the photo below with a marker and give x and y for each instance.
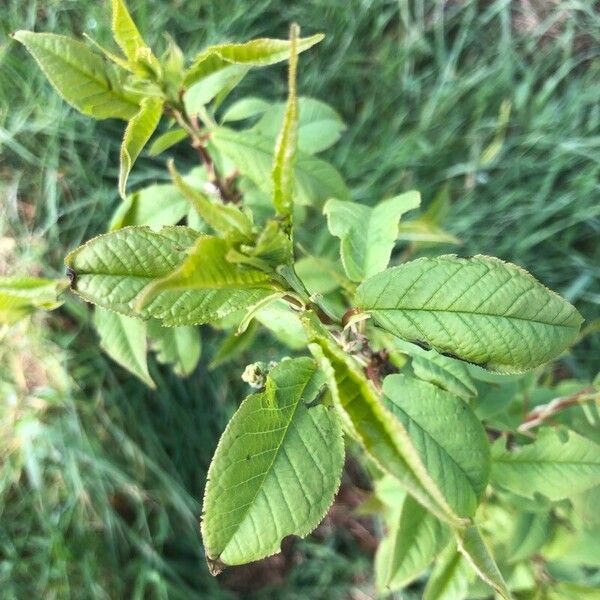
(100, 479)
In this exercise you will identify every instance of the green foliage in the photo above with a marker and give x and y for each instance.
(81, 77)
(124, 340)
(478, 309)
(256, 53)
(139, 130)
(367, 235)
(415, 538)
(276, 470)
(20, 296)
(552, 466)
(315, 180)
(447, 435)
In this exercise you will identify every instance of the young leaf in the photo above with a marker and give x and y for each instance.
(409, 547)
(284, 324)
(218, 286)
(246, 108)
(124, 340)
(207, 268)
(427, 228)
(448, 437)
(319, 125)
(20, 296)
(275, 471)
(112, 269)
(382, 436)
(137, 133)
(367, 234)
(156, 206)
(226, 220)
(176, 346)
(282, 173)
(252, 154)
(216, 84)
(125, 31)
(472, 546)
(531, 532)
(549, 466)
(84, 79)
(255, 53)
(167, 140)
(450, 577)
(480, 309)
(272, 248)
(447, 373)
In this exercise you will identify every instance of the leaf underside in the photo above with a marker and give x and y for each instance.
(276, 468)
(481, 310)
(84, 79)
(549, 466)
(114, 271)
(448, 436)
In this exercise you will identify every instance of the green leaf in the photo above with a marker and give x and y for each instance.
(125, 32)
(252, 154)
(409, 547)
(20, 296)
(234, 345)
(427, 228)
(284, 158)
(113, 271)
(246, 108)
(382, 436)
(216, 84)
(167, 140)
(284, 324)
(531, 532)
(157, 205)
(124, 340)
(255, 53)
(226, 220)
(479, 309)
(474, 549)
(137, 133)
(84, 79)
(447, 373)
(206, 269)
(586, 505)
(549, 466)
(176, 346)
(275, 471)
(367, 235)
(448, 437)
(272, 248)
(320, 275)
(319, 125)
(450, 577)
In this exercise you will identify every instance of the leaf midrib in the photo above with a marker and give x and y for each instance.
(438, 445)
(510, 460)
(477, 314)
(269, 468)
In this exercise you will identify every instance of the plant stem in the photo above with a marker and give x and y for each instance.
(225, 187)
(541, 413)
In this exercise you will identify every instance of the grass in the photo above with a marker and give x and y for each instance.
(100, 493)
